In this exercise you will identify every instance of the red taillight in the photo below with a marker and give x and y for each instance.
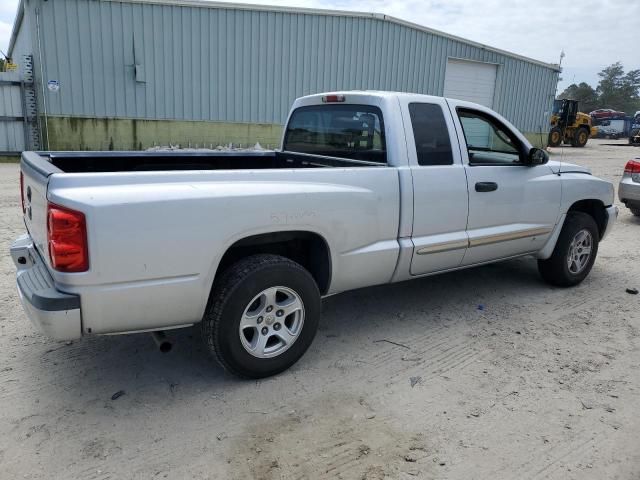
(632, 166)
(333, 98)
(67, 238)
(22, 190)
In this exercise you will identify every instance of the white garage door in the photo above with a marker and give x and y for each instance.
(470, 81)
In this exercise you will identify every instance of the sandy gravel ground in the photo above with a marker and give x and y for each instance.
(540, 383)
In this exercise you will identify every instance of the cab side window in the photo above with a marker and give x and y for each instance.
(433, 145)
(488, 141)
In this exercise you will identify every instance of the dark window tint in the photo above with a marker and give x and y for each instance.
(433, 145)
(346, 131)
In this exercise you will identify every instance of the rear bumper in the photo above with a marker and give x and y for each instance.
(55, 313)
(628, 190)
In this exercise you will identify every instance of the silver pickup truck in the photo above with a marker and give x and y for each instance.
(368, 188)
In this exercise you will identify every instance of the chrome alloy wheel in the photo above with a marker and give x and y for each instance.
(272, 322)
(580, 251)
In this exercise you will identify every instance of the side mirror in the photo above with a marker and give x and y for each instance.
(537, 156)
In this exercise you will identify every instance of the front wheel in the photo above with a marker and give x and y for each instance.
(555, 137)
(580, 137)
(262, 316)
(575, 252)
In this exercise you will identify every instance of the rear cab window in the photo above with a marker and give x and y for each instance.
(353, 132)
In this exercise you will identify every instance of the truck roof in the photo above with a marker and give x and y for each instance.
(375, 93)
(379, 97)
(317, 97)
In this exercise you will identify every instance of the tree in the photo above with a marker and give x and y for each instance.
(619, 90)
(1, 64)
(616, 89)
(585, 94)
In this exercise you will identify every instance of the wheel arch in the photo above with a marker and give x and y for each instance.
(309, 249)
(595, 208)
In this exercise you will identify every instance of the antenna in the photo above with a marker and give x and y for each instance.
(566, 124)
(566, 121)
(541, 137)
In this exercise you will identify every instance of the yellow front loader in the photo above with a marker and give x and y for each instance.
(568, 125)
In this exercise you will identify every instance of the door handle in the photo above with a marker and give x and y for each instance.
(486, 186)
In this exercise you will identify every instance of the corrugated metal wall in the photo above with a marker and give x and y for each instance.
(11, 131)
(154, 61)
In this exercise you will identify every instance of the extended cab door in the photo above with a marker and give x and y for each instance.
(440, 198)
(513, 207)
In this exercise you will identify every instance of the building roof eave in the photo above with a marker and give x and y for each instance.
(16, 28)
(348, 13)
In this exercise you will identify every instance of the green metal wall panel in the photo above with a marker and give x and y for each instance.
(217, 63)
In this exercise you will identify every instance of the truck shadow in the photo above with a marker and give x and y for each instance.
(630, 220)
(96, 368)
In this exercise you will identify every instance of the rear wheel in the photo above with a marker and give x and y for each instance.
(555, 137)
(575, 252)
(635, 211)
(262, 316)
(580, 138)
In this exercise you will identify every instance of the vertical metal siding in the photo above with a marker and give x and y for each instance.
(11, 132)
(223, 64)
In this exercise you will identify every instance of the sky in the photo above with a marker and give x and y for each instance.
(592, 33)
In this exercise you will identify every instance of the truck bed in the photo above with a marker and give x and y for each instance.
(158, 223)
(85, 162)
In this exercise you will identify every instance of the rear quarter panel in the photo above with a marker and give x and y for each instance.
(156, 238)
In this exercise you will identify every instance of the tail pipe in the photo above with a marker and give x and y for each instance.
(163, 343)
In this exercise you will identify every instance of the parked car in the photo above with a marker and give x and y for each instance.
(606, 114)
(607, 131)
(368, 188)
(629, 188)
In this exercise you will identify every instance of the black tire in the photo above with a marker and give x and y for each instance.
(635, 211)
(555, 137)
(632, 136)
(580, 137)
(555, 270)
(231, 296)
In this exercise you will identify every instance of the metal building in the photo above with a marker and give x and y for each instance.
(130, 74)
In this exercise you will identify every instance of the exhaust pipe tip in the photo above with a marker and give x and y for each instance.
(161, 340)
(165, 347)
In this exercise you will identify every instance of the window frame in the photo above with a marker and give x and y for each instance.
(374, 109)
(446, 127)
(522, 157)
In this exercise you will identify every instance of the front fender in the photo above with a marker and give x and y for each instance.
(580, 186)
(577, 187)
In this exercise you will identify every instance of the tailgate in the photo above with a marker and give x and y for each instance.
(35, 172)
